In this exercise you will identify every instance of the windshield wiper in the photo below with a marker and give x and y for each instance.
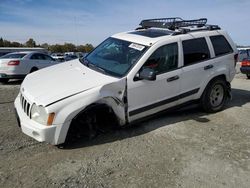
(91, 65)
(84, 61)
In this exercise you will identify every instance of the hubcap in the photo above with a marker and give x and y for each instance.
(217, 95)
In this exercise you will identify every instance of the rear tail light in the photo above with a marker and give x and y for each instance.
(235, 59)
(14, 63)
(245, 63)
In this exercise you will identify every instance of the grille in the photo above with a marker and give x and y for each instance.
(25, 105)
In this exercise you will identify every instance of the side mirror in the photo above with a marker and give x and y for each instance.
(147, 74)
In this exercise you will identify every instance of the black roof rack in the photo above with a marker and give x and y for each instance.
(172, 23)
(178, 25)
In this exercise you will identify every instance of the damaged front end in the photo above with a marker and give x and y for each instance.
(114, 95)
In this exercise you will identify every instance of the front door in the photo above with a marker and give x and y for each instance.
(148, 97)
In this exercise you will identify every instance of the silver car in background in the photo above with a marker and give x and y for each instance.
(18, 64)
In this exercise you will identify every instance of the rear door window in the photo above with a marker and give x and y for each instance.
(48, 58)
(34, 57)
(37, 57)
(195, 50)
(221, 45)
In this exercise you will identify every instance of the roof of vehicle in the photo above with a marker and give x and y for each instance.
(28, 52)
(22, 48)
(154, 30)
(137, 36)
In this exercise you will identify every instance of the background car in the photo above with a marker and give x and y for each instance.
(7, 50)
(245, 67)
(243, 53)
(58, 57)
(70, 57)
(18, 64)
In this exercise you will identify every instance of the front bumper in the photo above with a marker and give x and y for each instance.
(33, 129)
(245, 70)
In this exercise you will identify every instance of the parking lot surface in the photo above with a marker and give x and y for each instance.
(182, 148)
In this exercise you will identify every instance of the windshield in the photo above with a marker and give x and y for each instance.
(13, 56)
(115, 57)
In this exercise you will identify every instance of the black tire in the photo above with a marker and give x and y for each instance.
(83, 126)
(4, 80)
(248, 76)
(215, 95)
(33, 69)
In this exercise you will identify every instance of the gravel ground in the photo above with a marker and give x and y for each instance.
(184, 148)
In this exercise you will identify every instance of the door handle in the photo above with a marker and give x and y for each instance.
(173, 78)
(208, 67)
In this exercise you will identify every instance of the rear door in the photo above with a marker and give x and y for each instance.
(48, 61)
(44, 61)
(41, 60)
(197, 66)
(35, 61)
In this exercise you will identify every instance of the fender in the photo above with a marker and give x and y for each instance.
(223, 71)
(111, 95)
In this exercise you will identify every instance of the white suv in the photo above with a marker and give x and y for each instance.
(132, 75)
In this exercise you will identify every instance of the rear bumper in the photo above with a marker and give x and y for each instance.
(33, 129)
(245, 70)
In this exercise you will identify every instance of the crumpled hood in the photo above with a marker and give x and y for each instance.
(61, 81)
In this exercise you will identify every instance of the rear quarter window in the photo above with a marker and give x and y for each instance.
(221, 45)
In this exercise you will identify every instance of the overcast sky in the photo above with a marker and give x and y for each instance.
(91, 21)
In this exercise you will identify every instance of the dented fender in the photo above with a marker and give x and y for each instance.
(111, 94)
(114, 95)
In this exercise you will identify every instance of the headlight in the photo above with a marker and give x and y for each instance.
(39, 114)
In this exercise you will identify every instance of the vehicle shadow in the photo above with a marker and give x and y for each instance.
(191, 112)
(240, 97)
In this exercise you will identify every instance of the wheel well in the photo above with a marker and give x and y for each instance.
(96, 108)
(33, 69)
(106, 117)
(222, 77)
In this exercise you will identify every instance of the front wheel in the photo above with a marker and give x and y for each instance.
(214, 96)
(84, 125)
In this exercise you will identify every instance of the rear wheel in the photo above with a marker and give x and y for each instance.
(248, 76)
(214, 96)
(4, 80)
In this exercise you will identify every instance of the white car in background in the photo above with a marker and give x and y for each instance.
(58, 57)
(18, 64)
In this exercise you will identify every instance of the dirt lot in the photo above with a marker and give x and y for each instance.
(184, 148)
